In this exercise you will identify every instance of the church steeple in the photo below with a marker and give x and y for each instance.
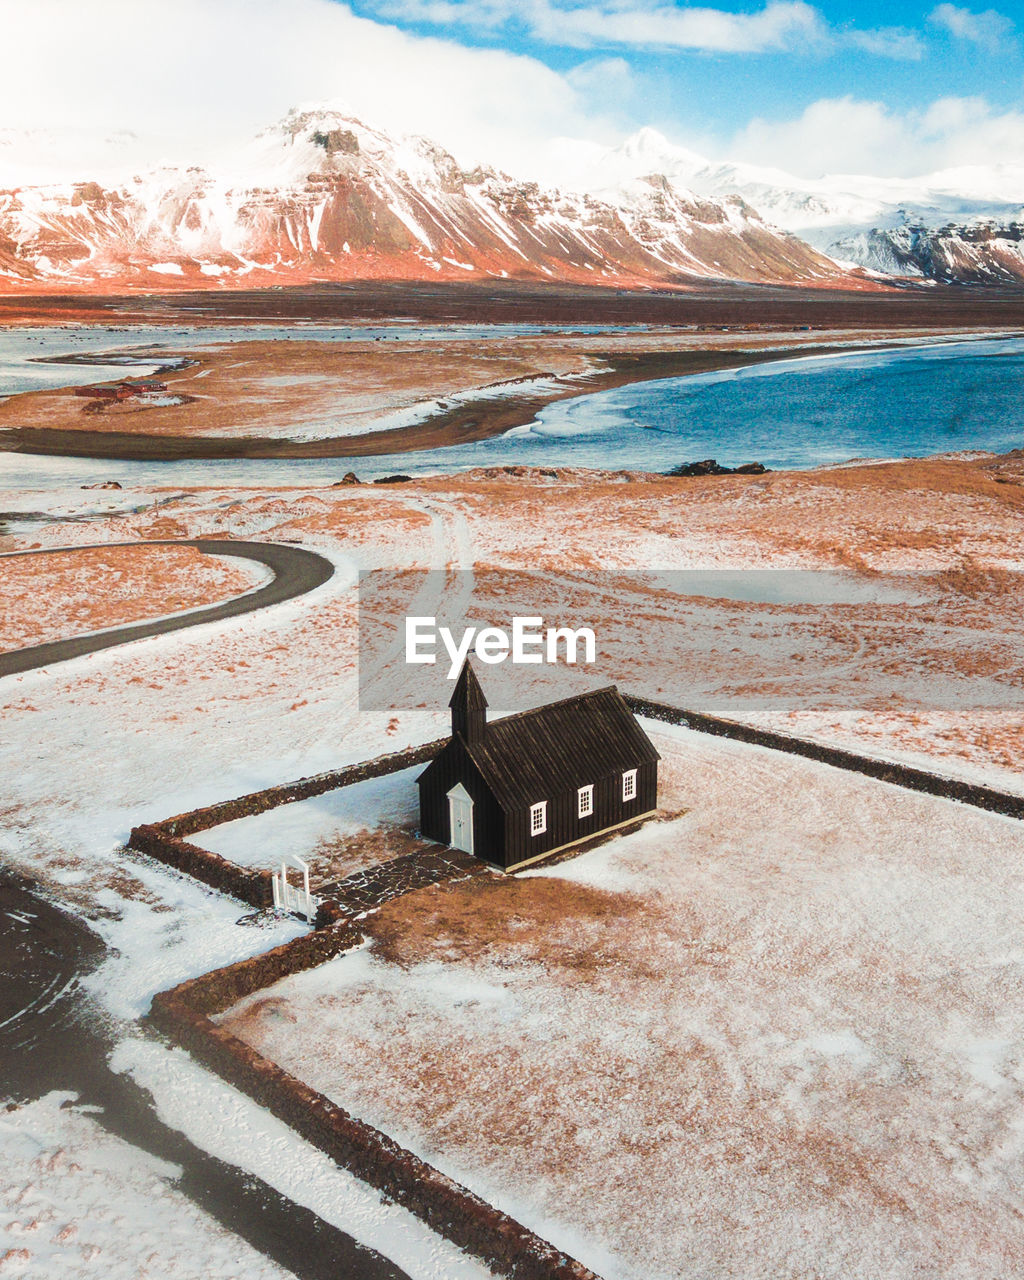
(469, 706)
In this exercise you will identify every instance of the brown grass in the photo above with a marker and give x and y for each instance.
(980, 581)
(59, 594)
(336, 857)
(455, 921)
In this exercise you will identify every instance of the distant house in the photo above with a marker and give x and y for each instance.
(525, 786)
(140, 386)
(124, 390)
(105, 391)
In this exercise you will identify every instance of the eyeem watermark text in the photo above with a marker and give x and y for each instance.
(529, 641)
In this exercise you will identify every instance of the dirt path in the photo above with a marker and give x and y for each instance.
(296, 572)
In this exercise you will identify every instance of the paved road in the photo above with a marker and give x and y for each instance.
(296, 571)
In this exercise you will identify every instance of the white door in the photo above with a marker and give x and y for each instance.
(460, 812)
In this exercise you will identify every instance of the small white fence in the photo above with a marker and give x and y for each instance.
(292, 897)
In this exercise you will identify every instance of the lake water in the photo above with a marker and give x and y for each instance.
(808, 412)
(946, 397)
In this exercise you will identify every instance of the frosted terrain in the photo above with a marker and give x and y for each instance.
(79, 1202)
(778, 1035)
(305, 827)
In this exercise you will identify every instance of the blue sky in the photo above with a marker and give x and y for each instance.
(891, 90)
(784, 57)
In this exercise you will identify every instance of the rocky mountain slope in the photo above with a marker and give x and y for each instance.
(322, 196)
(957, 225)
(981, 250)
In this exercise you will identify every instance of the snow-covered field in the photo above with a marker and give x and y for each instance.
(333, 832)
(815, 907)
(779, 1035)
(82, 1204)
(92, 747)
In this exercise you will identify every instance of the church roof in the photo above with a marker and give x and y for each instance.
(467, 692)
(533, 755)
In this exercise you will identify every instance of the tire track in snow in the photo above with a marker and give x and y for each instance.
(452, 554)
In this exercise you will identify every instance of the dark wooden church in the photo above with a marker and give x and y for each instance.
(516, 789)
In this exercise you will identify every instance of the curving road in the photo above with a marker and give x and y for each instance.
(296, 572)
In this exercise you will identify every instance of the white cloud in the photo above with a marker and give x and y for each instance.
(847, 135)
(888, 42)
(831, 135)
(989, 30)
(193, 76)
(603, 76)
(627, 23)
(780, 25)
(790, 25)
(198, 77)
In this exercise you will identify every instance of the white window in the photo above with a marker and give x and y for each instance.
(585, 802)
(629, 785)
(538, 818)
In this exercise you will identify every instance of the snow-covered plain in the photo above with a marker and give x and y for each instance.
(312, 828)
(347, 421)
(778, 1035)
(92, 747)
(82, 1204)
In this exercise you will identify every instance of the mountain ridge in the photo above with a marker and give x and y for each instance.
(961, 224)
(322, 195)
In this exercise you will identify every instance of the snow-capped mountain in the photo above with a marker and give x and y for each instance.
(980, 250)
(958, 224)
(323, 196)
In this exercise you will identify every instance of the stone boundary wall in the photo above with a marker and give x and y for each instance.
(164, 840)
(184, 1014)
(187, 824)
(899, 775)
(253, 887)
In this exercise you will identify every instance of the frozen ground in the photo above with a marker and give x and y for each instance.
(76, 592)
(332, 831)
(80, 1203)
(95, 746)
(778, 1036)
(928, 916)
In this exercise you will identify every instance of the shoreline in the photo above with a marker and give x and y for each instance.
(469, 421)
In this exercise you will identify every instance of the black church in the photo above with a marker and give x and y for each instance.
(516, 789)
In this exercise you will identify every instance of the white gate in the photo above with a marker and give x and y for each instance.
(290, 897)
